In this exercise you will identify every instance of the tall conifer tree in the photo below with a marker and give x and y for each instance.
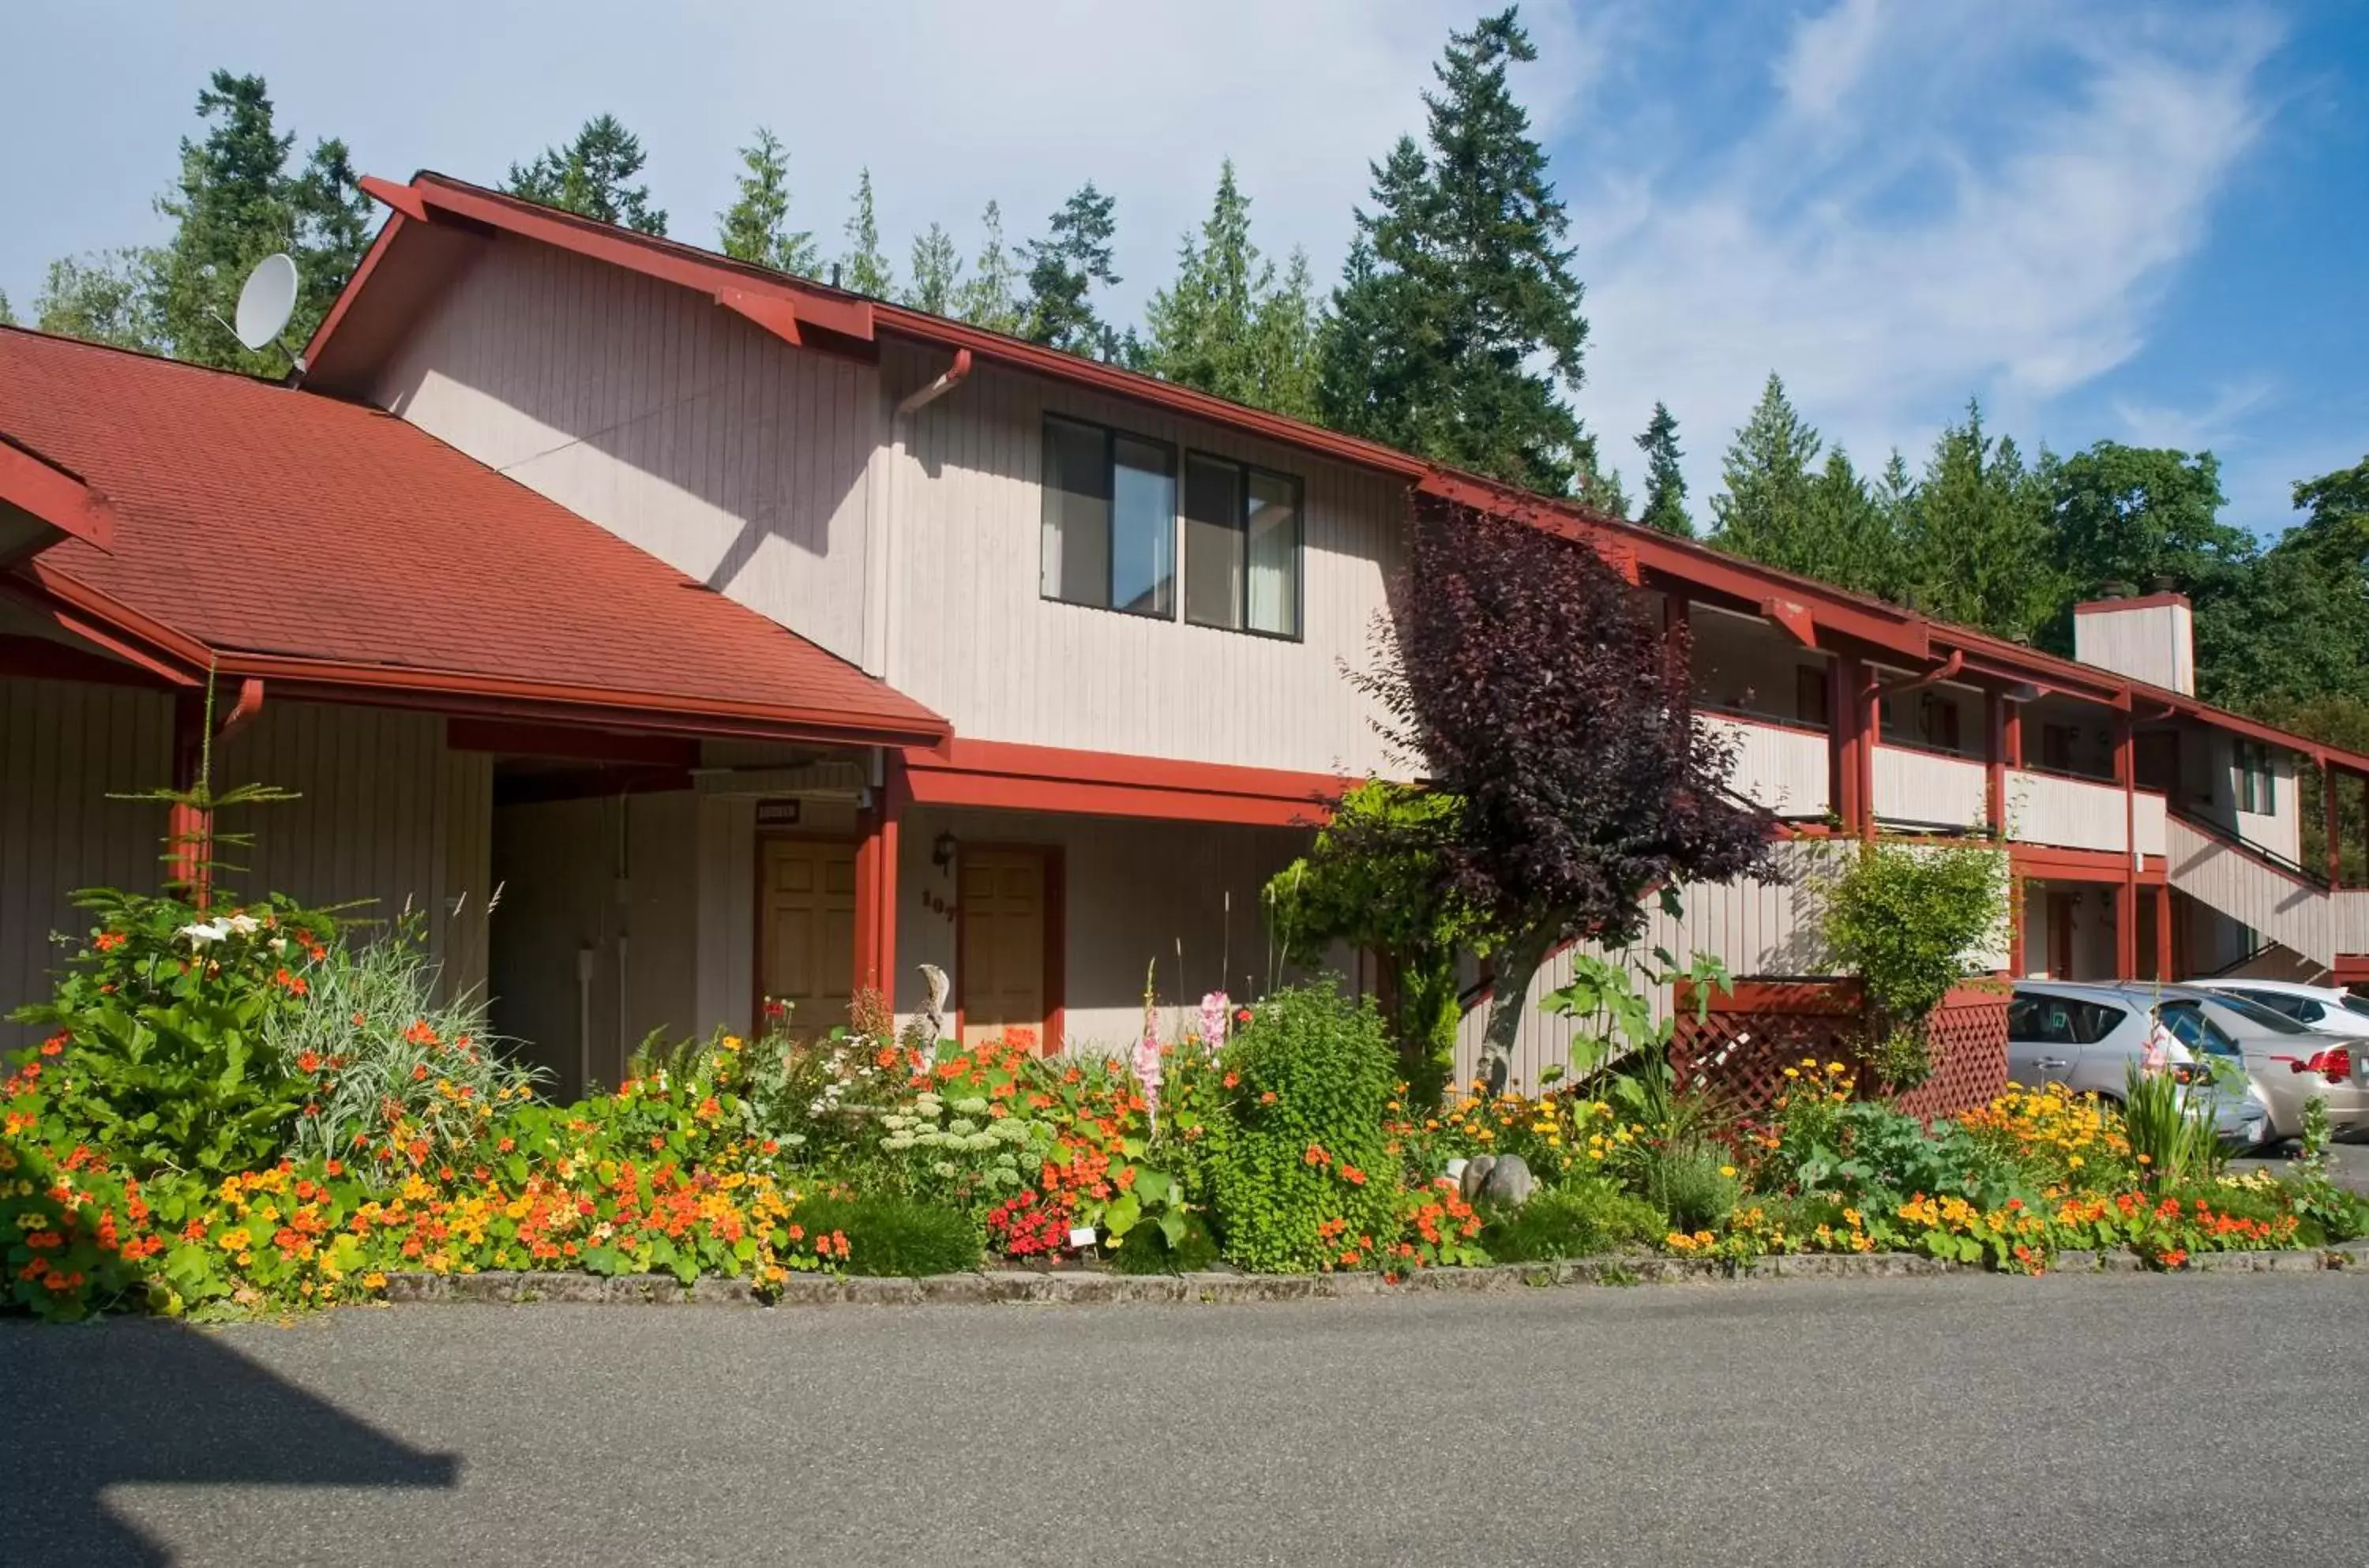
(1459, 284)
(990, 297)
(1666, 482)
(865, 269)
(590, 176)
(756, 227)
(1063, 269)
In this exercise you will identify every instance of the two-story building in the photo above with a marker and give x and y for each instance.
(670, 633)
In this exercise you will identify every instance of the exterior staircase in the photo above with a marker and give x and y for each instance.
(2279, 902)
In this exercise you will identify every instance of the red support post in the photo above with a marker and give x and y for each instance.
(875, 884)
(2163, 944)
(2335, 835)
(1995, 709)
(1850, 760)
(189, 832)
(2126, 895)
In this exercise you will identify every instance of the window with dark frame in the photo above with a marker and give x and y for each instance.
(2258, 786)
(1810, 694)
(1109, 531)
(1242, 528)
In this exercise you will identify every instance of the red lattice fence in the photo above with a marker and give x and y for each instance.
(1750, 1036)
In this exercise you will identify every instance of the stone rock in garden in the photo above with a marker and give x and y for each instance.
(1476, 1171)
(1508, 1182)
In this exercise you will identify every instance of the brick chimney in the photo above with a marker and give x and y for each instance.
(2150, 638)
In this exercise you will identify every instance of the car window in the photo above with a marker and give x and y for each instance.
(2189, 1025)
(2253, 1012)
(2357, 1004)
(2305, 1010)
(2038, 1019)
(2277, 1002)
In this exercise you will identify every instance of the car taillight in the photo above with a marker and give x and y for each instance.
(2334, 1064)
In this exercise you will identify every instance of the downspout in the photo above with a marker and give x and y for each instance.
(954, 375)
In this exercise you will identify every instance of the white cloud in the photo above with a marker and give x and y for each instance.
(1950, 230)
(1828, 54)
(2215, 424)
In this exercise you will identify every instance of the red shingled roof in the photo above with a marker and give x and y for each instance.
(319, 541)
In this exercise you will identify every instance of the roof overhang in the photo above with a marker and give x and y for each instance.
(42, 502)
(177, 660)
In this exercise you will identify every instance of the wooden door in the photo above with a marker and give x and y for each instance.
(1001, 970)
(2060, 936)
(805, 953)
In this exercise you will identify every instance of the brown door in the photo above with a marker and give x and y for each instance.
(1001, 971)
(2060, 936)
(807, 929)
(2158, 761)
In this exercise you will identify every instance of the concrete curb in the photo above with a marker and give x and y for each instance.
(1028, 1288)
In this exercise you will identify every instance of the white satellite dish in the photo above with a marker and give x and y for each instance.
(266, 301)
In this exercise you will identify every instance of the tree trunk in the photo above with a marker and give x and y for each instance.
(1517, 963)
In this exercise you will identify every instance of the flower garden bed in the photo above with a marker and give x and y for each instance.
(240, 1113)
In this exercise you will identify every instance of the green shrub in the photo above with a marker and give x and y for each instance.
(1574, 1222)
(2170, 1134)
(1302, 1174)
(1146, 1250)
(1691, 1184)
(1904, 919)
(895, 1235)
(159, 1031)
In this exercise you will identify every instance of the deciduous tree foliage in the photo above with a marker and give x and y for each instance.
(106, 297)
(590, 175)
(1457, 329)
(1063, 269)
(1540, 693)
(756, 227)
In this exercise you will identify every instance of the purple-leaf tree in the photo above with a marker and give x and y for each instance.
(1540, 690)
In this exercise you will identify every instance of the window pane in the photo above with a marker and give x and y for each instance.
(1075, 560)
(1213, 543)
(1144, 528)
(1273, 555)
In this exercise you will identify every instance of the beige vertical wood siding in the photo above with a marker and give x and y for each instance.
(386, 815)
(2276, 907)
(2155, 643)
(1926, 789)
(674, 424)
(1753, 928)
(970, 636)
(64, 749)
(2076, 814)
(1780, 769)
(2353, 921)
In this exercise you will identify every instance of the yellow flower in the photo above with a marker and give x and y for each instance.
(373, 1281)
(1792, 1072)
(1727, 1170)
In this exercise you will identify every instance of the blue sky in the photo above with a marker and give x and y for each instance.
(2128, 221)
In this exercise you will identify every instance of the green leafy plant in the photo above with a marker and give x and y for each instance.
(1610, 999)
(2171, 1131)
(1303, 1176)
(396, 1078)
(159, 1039)
(1577, 1220)
(1904, 919)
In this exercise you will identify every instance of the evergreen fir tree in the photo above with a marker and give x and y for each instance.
(1665, 483)
(1063, 269)
(7, 316)
(1199, 331)
(991, 298)
(234, 204)
(1977, 547)
(1458, 282)
(756, 227)
(1846, 537)
(589, 176)
(1766, 474)
(937, 272)
(1284, 332)
(1596, 485)
(865, 268)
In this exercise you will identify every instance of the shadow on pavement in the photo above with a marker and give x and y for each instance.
(94, 1406)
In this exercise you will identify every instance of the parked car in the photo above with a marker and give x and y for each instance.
(2290, 1063)
(2086, 1036)
(2324, 1008)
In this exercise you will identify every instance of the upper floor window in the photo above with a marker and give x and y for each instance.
(1110, 532)
(2258, 786)
(1110, 519)
(1241, 547)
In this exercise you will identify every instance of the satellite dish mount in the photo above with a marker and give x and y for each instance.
(265, 301)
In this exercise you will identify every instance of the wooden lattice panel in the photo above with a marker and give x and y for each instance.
(1740, 1048)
